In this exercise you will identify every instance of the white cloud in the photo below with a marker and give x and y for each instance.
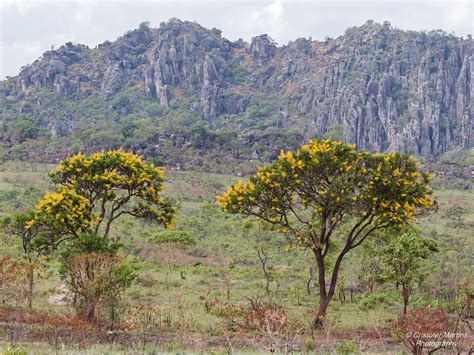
(273, 17)
(24, 52)
(460, 12)
(30, 27)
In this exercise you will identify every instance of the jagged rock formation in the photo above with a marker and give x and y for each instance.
(379, 87)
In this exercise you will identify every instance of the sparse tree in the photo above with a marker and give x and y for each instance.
(402, 260)
(17, 227)
(260, 242)
(370, 262)
(330, 198)
(456, 211)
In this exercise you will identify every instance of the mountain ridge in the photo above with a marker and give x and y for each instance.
(182, 94)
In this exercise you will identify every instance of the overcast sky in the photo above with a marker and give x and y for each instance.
(30, 27)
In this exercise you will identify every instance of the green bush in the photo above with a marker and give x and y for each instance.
(308, 344)
(347, 347)
(178, 237)
(371, 300)
(27, 128)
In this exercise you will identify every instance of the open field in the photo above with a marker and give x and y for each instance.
(192, 288)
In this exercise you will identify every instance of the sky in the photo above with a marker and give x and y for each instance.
(28, 28)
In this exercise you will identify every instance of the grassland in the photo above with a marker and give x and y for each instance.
(192, 286)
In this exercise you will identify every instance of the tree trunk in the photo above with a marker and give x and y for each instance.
(89, 310)
(323, 297)
(262, 256)
(30, 288)
(406, 297)
(31, 283)
(267, 283)
(342, 296)
(308, 283)
(318, 321)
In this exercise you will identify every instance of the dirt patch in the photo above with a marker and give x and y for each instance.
(23, 326)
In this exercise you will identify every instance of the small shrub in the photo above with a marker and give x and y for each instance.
(266, 318)
(97, 280)
(419, 329)
(270, 322)
(225, 310)
(372, 300)
(177, 237)
(144, 318)
(171, 346)
(308, 344)
(17, 279)
(347, 347)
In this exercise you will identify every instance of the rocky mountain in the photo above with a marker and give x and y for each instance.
(185, 96)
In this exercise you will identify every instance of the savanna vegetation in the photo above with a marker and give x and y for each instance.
(327, 249)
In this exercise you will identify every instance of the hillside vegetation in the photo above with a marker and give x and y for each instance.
(185, 96)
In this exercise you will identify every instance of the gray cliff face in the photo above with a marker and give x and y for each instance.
(187, 57)
(387, 90)
(381, 88)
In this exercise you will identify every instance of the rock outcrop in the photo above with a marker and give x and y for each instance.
(379, 87)
(262, 48)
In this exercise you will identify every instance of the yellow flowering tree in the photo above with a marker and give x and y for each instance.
(329, 198)
(94, 191)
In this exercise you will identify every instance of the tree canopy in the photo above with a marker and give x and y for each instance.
(93, 191)
(333, 181)
(327, 188)
(402, 260)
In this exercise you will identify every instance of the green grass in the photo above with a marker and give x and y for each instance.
(223, 265)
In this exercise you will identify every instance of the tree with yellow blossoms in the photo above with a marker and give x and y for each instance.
(94, 191)
(91, 193)
(329, 198)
